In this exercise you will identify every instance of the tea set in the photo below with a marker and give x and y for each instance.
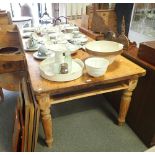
(56, 48)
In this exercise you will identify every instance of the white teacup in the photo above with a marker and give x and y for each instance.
(75, 33)
(42, 51)
(31, 43)
(69, 29)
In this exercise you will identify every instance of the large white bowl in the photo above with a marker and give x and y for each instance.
(96, 66)
(106, 49)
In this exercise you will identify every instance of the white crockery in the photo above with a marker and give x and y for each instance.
(106, 49)
(96, 66)
(69, 29)
(47, 72)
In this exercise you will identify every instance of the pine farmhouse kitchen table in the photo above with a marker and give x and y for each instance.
(122, 74)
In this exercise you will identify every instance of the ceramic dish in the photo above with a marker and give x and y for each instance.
(29, 29)
(79, 41)
(26, 34)
(79, 35)
(31, 49)
(40, 57)
(96, 66)
(106, 49)
(47, 72)
(73, 48)
(63, 47)
(69, 29)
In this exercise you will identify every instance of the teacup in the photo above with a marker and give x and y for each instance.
(69, 29)
(76, 33)
(76, 28)
(42, 51)
(31, 43)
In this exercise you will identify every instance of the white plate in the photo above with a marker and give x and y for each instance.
(29, 29)
(79, 36)
(26, 34)
(31, 49)
(47, 72)
(62, 47)
(35, 55)
(73, 48)
(79, 41)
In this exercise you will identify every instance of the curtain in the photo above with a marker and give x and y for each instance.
(75, 10)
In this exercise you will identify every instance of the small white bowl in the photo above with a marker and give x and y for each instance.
(96, 66)
(69, 29)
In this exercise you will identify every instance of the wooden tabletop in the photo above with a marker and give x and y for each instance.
(120, 69)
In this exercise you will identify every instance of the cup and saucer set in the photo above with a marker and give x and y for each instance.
(43, 53)
(31, 44)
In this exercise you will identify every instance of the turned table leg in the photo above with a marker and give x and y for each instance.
(44, 103)
(125, 101)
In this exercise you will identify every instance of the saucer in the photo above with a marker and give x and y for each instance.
(35, 55)
(26, 34)
(29, 29)
(31, 49)
(73, 48)
(79, 36)
(79, 41)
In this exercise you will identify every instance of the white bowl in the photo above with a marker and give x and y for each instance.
(106, 49)
(70, 29)
(96, 66)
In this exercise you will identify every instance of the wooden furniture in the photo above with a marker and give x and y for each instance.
(5, 18)
(26, 120)
(147, 52)
(12, 58)
(141, 115)
(108, 16)
(119, 76)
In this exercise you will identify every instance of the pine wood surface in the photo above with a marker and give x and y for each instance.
(121, 74)
(120, 69)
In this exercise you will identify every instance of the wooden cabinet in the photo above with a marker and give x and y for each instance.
(108, 16)
(141, 114)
